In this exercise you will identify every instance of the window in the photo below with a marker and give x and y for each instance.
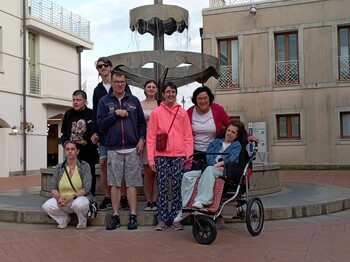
(286, 58)
(343, 47)
(34, 72)
(288, 126)
(228, 57)
(345, 125)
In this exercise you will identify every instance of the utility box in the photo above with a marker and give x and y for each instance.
(258, 129)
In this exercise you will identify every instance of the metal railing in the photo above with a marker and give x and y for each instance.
(229, 77)
(219, 3)
(59, 17)
(344, 68)
(287, 72)
(34, 81)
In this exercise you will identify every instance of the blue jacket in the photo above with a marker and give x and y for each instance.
(233, 151)
(121, 133)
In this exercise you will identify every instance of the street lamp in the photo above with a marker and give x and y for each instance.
(14, 130)
(183, 101)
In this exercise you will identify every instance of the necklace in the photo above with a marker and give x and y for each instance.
(72, 169)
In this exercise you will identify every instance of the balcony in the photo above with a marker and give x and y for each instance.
(287, 72)
(221, 3)
(47, 17)
(344, 68)
(229, 77)
(34, 82)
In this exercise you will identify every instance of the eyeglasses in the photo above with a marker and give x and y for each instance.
(168, 92)
(102, 65)
(119, 82)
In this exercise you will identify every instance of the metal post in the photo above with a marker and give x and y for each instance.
(24, 73)
(158, 44)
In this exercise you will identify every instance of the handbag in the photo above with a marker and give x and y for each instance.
(93, 205)
(162, 138)
(161, 141)
(93, 209)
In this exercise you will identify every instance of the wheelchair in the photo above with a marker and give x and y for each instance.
(251, 210)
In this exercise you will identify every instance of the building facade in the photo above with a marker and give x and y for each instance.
(286, 63)
(40, 51)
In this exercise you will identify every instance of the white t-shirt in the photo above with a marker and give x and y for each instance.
(204, 130)
(223, 148)
(106, 86)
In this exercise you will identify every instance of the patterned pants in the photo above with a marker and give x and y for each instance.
(168, 167)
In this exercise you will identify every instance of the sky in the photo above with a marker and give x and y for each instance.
(110, 33)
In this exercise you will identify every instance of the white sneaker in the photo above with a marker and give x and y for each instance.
(197, 205)
(180, 216)
(81, 225)
(64, 224)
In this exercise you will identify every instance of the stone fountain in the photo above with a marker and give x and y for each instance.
(160, 19)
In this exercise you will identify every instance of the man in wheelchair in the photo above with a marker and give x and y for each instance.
(220, 153)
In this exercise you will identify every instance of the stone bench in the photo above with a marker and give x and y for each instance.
(265, 180)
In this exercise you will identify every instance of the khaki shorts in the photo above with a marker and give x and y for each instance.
(127, 165)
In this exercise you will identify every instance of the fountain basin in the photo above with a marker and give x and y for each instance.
(265, 180)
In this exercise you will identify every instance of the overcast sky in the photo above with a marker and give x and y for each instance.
(110, 32)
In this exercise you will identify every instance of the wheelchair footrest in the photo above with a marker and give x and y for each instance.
(196, 210)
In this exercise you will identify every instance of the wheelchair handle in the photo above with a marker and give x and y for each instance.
(255, 144)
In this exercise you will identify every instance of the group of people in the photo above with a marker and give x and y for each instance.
(126, 131)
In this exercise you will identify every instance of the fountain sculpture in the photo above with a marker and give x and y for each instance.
(160, 19)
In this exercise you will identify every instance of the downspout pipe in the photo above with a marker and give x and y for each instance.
(24, 73)
(80, 49)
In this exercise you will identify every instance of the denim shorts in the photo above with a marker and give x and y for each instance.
(103, 152)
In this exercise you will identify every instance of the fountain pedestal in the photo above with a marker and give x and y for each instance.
(265, 180)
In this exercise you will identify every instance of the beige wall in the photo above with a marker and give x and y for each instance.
(256, 60)
(317, 54)
(318, 98)
(57, 59)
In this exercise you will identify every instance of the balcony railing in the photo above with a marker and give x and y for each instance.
(344, 68)
(219, 3)
(59, 17)
(229, 77)
(287, 72)
(34, 82)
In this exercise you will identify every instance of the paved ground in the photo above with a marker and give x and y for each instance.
(317, 238)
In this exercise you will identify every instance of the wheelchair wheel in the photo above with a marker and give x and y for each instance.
(204, 230)
(254, 216)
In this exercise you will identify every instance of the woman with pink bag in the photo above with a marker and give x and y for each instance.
(171, 119)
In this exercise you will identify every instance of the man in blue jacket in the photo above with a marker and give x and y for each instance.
(121, 118)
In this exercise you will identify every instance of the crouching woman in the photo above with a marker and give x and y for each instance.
(70, 189)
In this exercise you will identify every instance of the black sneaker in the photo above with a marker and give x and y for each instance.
(132, 224)
(124, 204)
(105, 204)
(154, 206)
(148, 206)
(115, 222)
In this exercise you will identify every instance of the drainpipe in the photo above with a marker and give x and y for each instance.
(24, 107)
(80, 49)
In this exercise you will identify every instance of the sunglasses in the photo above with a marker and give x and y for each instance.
(102, 65)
